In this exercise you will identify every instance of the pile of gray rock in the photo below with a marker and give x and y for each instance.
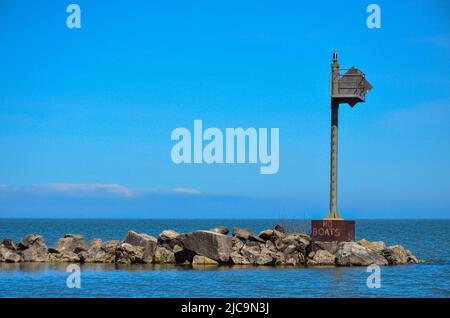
(213, 247)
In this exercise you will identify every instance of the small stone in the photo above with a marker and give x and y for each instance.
(279, 228)
(168, 235)
(203, 260)
(271, 235)
(266, 234)
(280, 258)
(220, 230)
(168, 239)
(294, 259)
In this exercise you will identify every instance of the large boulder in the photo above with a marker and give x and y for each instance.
(147, 242)
(321, 257)
(71, 243)
(246, 235)
(29, 240)
(129, 254)
(373, 246)
(67, 249)
(32, 248)
(353, 254)
(9, 255)
(397, 255)
(210, 244)
(100, 252)
(163, 256)
(242, 233)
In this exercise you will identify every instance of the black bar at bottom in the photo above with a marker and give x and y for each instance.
(216, 307)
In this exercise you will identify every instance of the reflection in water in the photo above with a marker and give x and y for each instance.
(111, 280)
(105, 267)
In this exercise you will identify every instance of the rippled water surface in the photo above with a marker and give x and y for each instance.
(427, 239)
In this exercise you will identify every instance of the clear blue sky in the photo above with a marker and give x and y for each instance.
(86, 115)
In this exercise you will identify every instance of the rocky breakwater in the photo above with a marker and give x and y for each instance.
(207, 248)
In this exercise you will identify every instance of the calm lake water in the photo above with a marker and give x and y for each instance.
(427, 239)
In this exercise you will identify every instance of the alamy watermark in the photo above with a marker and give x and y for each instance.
(236, 145)
(73, 20)
(374, 279)
(74, 279)
(374, 19)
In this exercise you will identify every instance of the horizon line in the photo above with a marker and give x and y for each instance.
(209, 218)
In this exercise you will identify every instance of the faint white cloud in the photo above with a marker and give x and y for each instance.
(187, 191)
(94, 190)
(74, 188)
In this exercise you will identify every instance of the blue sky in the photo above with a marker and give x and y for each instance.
(86, 115)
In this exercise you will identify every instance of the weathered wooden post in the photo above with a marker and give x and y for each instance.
(350, 88)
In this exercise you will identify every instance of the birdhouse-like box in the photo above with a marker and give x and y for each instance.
(353, 87)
